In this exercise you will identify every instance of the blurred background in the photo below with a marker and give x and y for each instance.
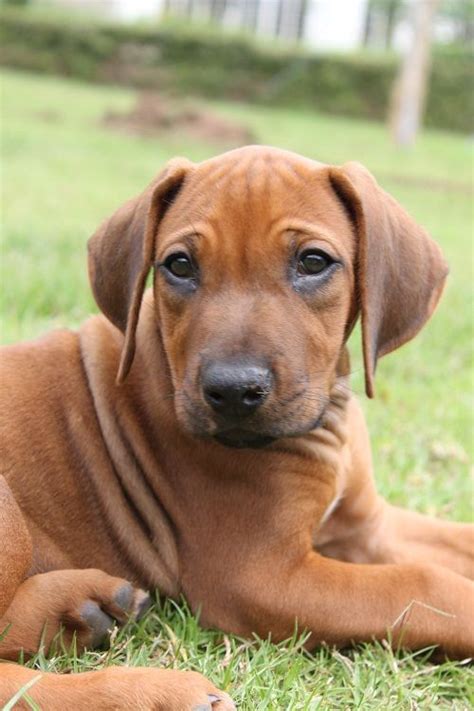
(98, 94)
(344, 57)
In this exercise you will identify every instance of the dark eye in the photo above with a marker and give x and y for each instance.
(314, 261)
(180, 266)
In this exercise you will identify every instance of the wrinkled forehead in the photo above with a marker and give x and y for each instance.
(257, 190)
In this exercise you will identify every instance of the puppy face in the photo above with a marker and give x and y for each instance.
(254, 283)
(263, 260)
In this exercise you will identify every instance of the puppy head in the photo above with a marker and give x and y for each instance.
(263, 261)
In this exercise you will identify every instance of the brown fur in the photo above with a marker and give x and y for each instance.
(111, 459)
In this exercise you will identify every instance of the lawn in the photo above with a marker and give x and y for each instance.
(63, 172)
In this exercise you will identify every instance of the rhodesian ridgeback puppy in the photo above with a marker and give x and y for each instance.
(202, 438)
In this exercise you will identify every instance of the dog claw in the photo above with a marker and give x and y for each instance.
(134, 603)
(142, 604)
(213, 699)
(99, 623)
(124, 597)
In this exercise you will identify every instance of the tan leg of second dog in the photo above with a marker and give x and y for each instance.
(119, 688)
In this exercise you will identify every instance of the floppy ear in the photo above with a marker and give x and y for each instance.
(400, 271)
(121, 254)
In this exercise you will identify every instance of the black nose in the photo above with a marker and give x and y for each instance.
(235, 388)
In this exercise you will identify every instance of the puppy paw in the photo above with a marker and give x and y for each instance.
(166, 689)
(81, 604)
(118, 688)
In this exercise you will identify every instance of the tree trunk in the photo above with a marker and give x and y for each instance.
(303, 9)
(412, 82)
(393, 9)
(368, 22)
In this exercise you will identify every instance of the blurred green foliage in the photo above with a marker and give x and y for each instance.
(200, 61)
(15, 3)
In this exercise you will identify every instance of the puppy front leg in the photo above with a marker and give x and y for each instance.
(414, 606)
(15, 547)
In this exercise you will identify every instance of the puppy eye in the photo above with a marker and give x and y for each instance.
(180, 266)
(314, 261)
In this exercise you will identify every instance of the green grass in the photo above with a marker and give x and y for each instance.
(63, 173)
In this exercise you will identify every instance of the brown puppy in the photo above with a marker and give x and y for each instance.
(262, 263)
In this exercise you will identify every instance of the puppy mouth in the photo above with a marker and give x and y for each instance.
(242, 439)
(252, 435)
(245, 439)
